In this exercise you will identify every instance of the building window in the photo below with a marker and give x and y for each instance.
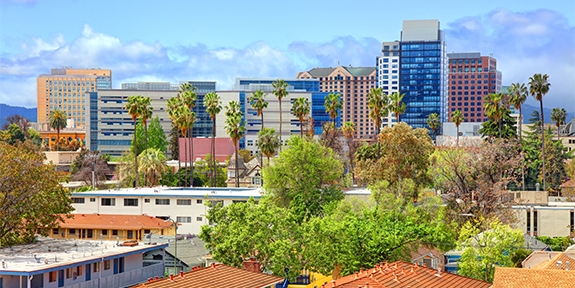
(104, 232)
(92, 199)
(78, 270)
(96, 267)
(147, 200)
(55, 231)
(535, 221)
(78, 200)
(199, 218)
(71, 231)
(52, 276)
(184, 202)
(69, 273)
(106, 264)
(130, 202)
(162, 201)
(114, 232)
(108, 201)
(199, 201)
(184, 219)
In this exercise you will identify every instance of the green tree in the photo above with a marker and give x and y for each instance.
(30, 196)
(268, 142)
(173, 107)
(301, 108)
(58, 120)
(348, 129)
(87, 162)
(15, 135)
(377, 102)
(304, 177)
(173, 144)
(517, 96)
(558, 116)
(495, 108)
(433, 121)
(280, 91)
(22, 122)
(504, 128)
(396, 105)
(483, 250)
(333, 104)
(134, 106)
(258, 102)
(152, 165)
(156, 136)
(235, 128)
(538, 87)
(457, 118)
(188, 96)
(213, 106)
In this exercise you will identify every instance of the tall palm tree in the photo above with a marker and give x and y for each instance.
(152, 164)
(280, 90)
(517, 96)
(134, 107)
(213, 106)
(258, 102)
(348, 130)
(333, 105)
(558, 116)
(457, 118)
(538, 87)
(147, 112)
(494, 108)
(433, 121)
(188, 95)
(58, 120)
(236, 129)
(300, 109)
(378, 104)
(396, 105)
(268, 142)
(173, 105)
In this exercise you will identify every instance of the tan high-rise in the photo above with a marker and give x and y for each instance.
(353, 83)
(65, 89)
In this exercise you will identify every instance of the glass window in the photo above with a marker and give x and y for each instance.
(78, 200)
(130, 202)
(183, 219)
(162, 201)
(108, 201)
(106, 264)
(184, 202)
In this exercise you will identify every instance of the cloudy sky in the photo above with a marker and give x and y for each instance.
(171, 40)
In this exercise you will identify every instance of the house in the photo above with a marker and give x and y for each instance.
(111, 227)
(70, 263)
(429, 256)
(249, 173)
(507, 277)
(404, 274)
(550, 260)
(568, 188)
(216, 275)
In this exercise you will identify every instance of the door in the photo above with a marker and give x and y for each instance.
(88, 272)
(121, 265)
(61, 278)
(116, 266)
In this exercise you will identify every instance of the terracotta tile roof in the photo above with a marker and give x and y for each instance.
(557, 262)
(404, 274)
(569, 183)
(113, 221)
(535, 278)
(216, 275)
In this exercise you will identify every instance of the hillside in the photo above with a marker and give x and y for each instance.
(7, 110)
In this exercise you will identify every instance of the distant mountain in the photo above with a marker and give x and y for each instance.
(7, 110)
(528, 109)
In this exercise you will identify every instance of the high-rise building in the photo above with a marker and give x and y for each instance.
(353, 84)
(65, 89)
(422, 70)
(471, 78)
(110, 129)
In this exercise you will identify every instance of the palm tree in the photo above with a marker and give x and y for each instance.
(300, 109)
(517, 96)
(333, 105)
(134, 107)
(348, 130)
(268, 142)
(152, 164)
(258, 102)
(433, 121)
(377, 102)
(147, 112)
(213, 107)
(280, 90)
(173, 105)
(58, 120)
(494, 108)
(188, 95)
(558, 116)
(395, 105)
(457, 118)
(538, 87)
(235, 129)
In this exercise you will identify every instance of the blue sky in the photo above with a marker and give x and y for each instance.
(153, 40)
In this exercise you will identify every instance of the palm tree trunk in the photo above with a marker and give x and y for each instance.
(146, 180)
(58, 139)
(521, 143)
(262, 154)
(281, 143)
(301, 126)
(136, 155)
(191, 157)
(237, 156)
(542, 140)
(214, 153)
(186, 160)
(457, 141)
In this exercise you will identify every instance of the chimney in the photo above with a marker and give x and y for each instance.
(182, 274)
(252, 265)
(172, 277)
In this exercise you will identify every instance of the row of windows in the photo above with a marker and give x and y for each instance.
(466, 61)
(469, 93)
(473, 76)
(467, 82)
(134, 201)
(187, 219)
(467, 69)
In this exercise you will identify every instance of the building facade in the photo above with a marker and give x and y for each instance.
(471, 78)
(353, 84)
(65, 89)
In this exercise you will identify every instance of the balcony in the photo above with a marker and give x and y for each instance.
(126, 279)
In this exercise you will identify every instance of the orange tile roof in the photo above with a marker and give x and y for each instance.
(404, 274)
(506, 277)
(558, 262)
(113, 221)
(216, 275)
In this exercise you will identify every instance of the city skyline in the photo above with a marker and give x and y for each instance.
(180, 41)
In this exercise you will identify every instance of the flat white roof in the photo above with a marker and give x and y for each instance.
(49, 254)
(183, 192)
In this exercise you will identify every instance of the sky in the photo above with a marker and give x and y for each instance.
(172, 40)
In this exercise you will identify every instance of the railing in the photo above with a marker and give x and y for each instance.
(125, 279)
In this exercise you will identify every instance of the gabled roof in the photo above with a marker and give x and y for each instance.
(561, 261)
(404, 274)
(423, 251)
(522, 277)
(355, 71)
(113, 221)
(216, 275)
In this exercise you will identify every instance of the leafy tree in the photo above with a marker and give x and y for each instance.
(235, 128)
(35, 137)
(152, 165)
(301, 108)
(457, 118)
(22, 122)
(495, 108)
(213, 106)
(30, 196)
(538, 87)
(156, 136)
(87, 162)
(505, 128)
(174, 145)
(558, 116)
(280, 91)
(331, 138)
(433, 121)
(203, 171)
(519, 255)
(304, 177)
(268, 142)
(188, 96)
(348, 129)
(396, 105)
(483, 250)
(135, 106)
(57, 120)
(333, 104)
(15, 135)
(557, 243)
(246, 155)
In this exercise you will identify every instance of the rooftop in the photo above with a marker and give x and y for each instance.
(47, 254)
(522, 277)
(113, 221)
(216, 275)
(355, 71)
(183, 192)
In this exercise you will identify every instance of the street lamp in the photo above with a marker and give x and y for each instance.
(175, 243)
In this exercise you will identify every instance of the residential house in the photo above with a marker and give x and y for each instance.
(429, 256)
(249, 173)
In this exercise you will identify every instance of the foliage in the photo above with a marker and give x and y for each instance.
(457, 118)
(280, 91)
(155, 138)
(517, 96)
(235, 128)
(152, 165)
(555, 155)
(538, 87)
(58, 120)
(396, 105)
(14, 135)
(213, 106)
(519, 255)
(333, 104)
(137, 106)
(22, 122)
(30, 195)
(301, 108)
(483, 250)
(203, 171)
(557, 243)
(348, 130)
(246, 155)
(174, 147)
(558, 116)
(433, 121)
(304, 177)
(87, 162)
(268, 142)
(331, 138)
(258, 102)
(377, 102)
(505, 129)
